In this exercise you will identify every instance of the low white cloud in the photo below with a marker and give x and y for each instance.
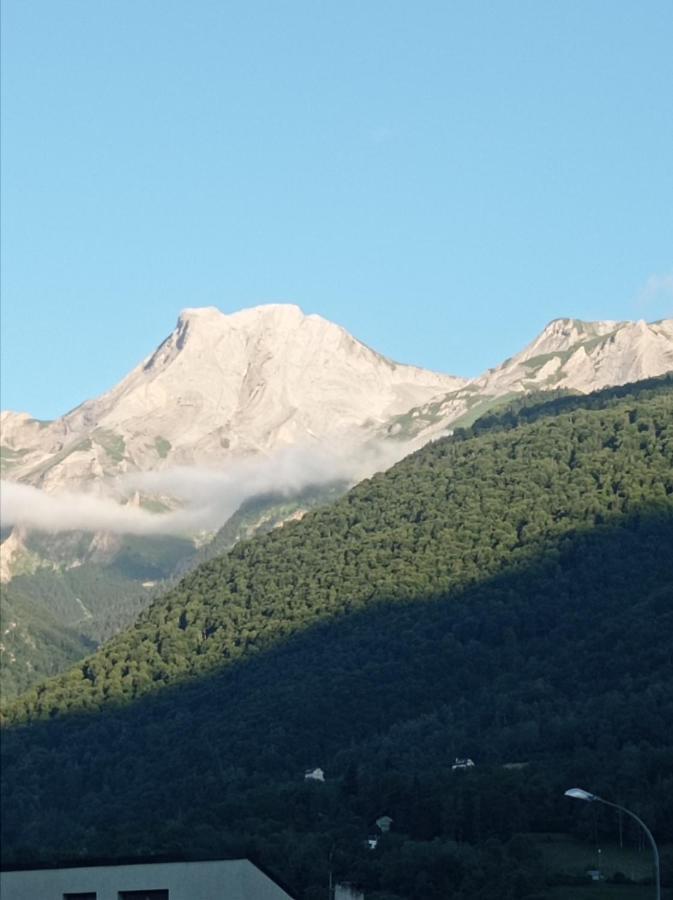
(22, 504)
(207, 497)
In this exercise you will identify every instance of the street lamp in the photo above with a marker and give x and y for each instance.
(580, 794)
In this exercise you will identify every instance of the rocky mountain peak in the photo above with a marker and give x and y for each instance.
(562, 334)
(568, 354)
(221, 384)
(254, 381)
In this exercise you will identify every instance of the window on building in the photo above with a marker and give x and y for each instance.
(86, 895)
(143, 895)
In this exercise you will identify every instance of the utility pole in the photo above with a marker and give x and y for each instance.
(330, 889)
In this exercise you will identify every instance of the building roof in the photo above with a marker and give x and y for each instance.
(166, 859)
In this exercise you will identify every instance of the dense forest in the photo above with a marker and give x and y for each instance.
(505, 594)
(265, 512)
(54, 616)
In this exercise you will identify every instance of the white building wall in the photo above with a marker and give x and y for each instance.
(235, 879)
(347, 892)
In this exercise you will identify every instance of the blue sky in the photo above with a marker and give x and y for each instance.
(441, 178)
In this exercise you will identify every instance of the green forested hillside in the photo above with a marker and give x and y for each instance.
(56, 615)
(505, 594)
(27, 630)
(53, 617)
(265, 512)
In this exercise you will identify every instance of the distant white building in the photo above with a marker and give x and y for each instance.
(462, 764)
(383, 823)
(595, 874)
(346, 891)
(218, 879)
(314, 775)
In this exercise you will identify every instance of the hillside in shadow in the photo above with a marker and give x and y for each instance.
(564, 665)
(504, 595)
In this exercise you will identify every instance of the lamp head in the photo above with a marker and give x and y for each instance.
(579, 794)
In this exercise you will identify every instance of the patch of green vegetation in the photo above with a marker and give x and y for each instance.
(598, 340)
(264, 513)
(152, 557)
(113, 444)
(52, 549)
(46, 594)
(61, 617)
(9, 452)
(537, 362)
(9, 457)
(162, 446)
(153, 505)
(480, 408)
(30, 629)
(410, 423)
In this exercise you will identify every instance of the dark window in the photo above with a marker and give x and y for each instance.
(143, 895)
(87, 895)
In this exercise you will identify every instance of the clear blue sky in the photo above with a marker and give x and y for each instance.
(441, 177)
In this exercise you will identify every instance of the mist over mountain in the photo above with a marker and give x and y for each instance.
(229, 406)
(266, 405)
(222, 387)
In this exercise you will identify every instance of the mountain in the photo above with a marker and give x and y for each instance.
(221, 389)
(214, 409)
(504, 594)
(221, 386)
(568, 355)
(224, 387)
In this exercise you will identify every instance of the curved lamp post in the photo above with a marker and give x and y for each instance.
(579, 794)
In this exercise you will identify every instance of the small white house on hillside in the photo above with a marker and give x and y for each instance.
(462, 764)
(383, 823)
(217, 879)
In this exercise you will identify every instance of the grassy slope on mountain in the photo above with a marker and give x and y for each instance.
(504, 594)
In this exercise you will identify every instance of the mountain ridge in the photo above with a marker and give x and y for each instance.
(568, 354)
(222, 385)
